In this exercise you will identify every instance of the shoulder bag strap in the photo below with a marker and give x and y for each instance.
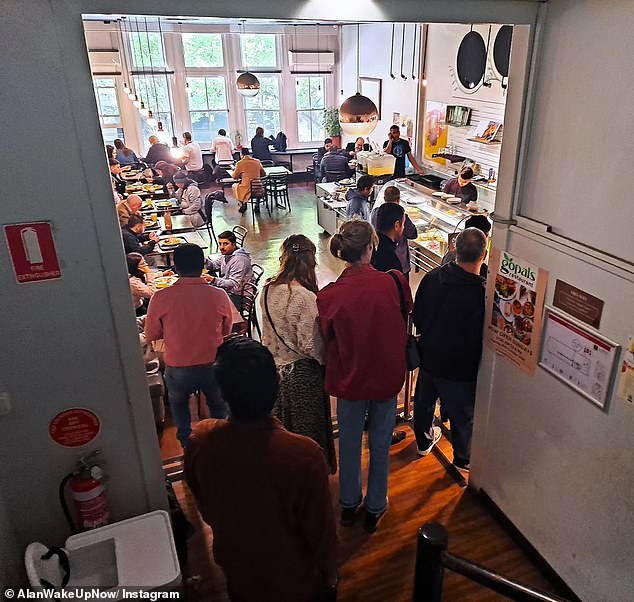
(400, 294)
(268, 315)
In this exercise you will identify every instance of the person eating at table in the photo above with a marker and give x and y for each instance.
(188, 196)
(125, 155)
(321, 151)
(142, 284)
(157, 152)
(232, 270)
(111, 151)
(192, 153)
(334, 161)
(166, 172)
(131, 206)
(118, 182)
(192, 318)
(400, 148)
(352, 148)
(462, 186)
(134, 239)
(247, 169)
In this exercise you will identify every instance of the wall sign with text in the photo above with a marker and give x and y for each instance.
(33, 253)
(578, 303)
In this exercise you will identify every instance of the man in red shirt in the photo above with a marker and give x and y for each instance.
(264, 491)
(192, 318)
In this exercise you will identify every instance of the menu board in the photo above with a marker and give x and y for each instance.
(515, 301)
(578, 356)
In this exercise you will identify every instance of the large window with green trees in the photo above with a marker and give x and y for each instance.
(309, 97)
(264, 109)
(147, 50)
(203, 50)
(154, 92)
(207, 97)
(258, 50)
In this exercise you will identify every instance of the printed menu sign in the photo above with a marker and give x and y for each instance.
(515, 301)
(626, 379)
(578, 303)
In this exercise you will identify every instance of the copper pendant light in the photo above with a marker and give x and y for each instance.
(248, 85)
(358, 115)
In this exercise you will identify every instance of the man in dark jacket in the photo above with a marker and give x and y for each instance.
(334, 161)
(390, 223)
(157, 152)
(358, 200)
(134, 241)
(449, 315)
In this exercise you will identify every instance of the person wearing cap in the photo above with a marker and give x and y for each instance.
(157, 152)
(462, 186)
(189, 199)
(131, 206)
(192, 318)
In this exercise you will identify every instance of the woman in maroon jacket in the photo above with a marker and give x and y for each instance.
(365, 335)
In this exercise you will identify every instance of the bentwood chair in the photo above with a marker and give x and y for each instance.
(277, 190)
(258, 196)
(258, 272)
(241, 233)
(248, 312)
(210, 199)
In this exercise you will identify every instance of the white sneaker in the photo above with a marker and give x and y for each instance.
(437, 436)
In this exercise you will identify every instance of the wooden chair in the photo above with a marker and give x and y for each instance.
(241, 233)
(248, 312)
(277, 190)
(257, 196)
(210, 199)
(258, 272)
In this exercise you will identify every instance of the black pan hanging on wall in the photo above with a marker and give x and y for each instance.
(502, 51)
(471, 60)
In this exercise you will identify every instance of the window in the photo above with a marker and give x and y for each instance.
(108, 107)
(203, 50)
(153, 91)
(309, 96)
(147, 50)
(264, 109)
(207, 106)
(258, 50)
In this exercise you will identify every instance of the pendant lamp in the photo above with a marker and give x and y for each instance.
(143, 111)
(151, 120)
(248, 85)
(175, 151)
(161, 134)
(358, 115)
(136, 102)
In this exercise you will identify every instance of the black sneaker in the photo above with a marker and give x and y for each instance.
(243, 208)
(397, 436)
(462, 466)
(371, 521)
(348, 516)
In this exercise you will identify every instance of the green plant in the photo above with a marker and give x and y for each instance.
(331, 122)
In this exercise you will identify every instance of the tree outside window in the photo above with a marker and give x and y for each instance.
(258, 50)
(264, 109)
(207, 106)
(153, 91)
(147, 50)
(203, 50)
(108, 107)
(309, 96)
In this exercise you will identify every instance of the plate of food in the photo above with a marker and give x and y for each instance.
(454, 200)
(438, 194)
(171, 242)
(505, 287)
(165, 281)
(163, 204)
(346, 182)
(150, 223)
(506, 309)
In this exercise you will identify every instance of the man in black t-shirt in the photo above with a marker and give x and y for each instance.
(400, 148)
(390, 224)
(462, 186)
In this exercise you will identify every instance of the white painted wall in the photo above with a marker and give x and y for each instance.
(398, 95)
(561, 469)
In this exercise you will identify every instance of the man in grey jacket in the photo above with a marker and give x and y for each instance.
(232, 270)
(358, 200)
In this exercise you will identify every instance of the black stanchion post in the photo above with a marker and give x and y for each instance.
(432, 541)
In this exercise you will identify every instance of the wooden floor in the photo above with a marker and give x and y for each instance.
(376, 567)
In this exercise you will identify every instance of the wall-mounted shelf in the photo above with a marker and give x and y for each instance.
(458, 115)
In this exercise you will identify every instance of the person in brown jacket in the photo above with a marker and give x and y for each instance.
(264, 491)
(131, 206)
(247, 169)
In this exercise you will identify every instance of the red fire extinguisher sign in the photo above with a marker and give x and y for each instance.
(74, 427)
(33, 252)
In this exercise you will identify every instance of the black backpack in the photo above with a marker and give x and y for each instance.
(280, 142)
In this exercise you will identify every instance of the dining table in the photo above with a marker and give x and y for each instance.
(191, 237)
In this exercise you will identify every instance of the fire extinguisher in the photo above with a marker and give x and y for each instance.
(88, 493)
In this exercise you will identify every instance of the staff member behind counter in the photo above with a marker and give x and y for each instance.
(395, 145)
(462, 186)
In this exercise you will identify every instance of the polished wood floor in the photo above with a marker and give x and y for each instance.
(376, 567)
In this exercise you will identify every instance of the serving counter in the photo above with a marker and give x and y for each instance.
(436, 220)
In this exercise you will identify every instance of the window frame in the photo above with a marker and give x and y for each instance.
(209, 68)
(105, 127)
(280, 104)
(321, 134)
(217, 75)
(252, 66)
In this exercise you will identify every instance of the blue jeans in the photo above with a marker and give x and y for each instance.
(457, 399)
(351, 418)
(181, 383)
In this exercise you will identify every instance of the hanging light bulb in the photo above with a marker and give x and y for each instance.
(161, 134)
(126, 89)
(175, 151)
(151, 120)
(424, 82)
(342, 97)
(136, 102)
(143, 111)
(131, 95)
(358, 115)
(248, 84)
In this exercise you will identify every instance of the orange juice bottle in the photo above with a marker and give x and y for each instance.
(168, 219)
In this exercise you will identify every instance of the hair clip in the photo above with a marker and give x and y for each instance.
(296, 248)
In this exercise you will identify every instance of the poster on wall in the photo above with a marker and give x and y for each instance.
(435, 129)
(626, 374)
(515, 302)
(578, 356)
